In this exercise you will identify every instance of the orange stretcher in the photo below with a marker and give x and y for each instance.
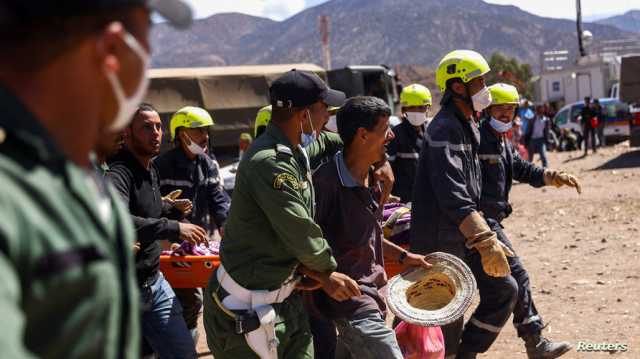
(194, 271)
(188, 271)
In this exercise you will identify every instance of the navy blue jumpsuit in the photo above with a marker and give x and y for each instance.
(404, 151)
(447, 189)
(501, 165)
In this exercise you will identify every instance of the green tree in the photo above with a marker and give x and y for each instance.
(509, 70)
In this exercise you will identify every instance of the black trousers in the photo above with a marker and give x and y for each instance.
(499, 298)
(589, 133)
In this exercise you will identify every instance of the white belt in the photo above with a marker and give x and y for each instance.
(262, 341)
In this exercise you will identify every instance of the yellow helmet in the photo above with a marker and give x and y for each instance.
(190, 117)
(262, 120)
(415, 95)
(504, 94)
(463, 64)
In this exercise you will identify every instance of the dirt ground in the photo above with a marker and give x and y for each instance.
(582, 253)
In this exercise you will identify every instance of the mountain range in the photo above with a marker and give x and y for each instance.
(389, 32)
(629, 21)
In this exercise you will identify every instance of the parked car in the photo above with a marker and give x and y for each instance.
(615, 117)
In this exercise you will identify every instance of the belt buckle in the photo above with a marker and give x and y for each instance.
(239, 321)
(246, 323)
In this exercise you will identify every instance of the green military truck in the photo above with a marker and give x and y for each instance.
(234, 94)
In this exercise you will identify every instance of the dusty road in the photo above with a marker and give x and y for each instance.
(582, 254)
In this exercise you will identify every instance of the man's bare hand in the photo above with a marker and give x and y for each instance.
(384, 175)
(192, 233)
(338, 286)
(183, 205)
(416, 260)
(136, 248)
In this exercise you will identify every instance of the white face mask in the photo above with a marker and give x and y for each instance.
(416, 118)
(482, 99)
(500, 126)
(194, 148)
(307, 138)
(332, 124)
(128, 106)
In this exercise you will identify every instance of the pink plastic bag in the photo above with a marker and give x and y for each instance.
(418, 342)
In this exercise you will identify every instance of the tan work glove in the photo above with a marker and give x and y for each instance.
(493, 253)
(172, 196)
(561, 178)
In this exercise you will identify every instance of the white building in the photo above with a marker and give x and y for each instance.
(592, 78)
(564, 80)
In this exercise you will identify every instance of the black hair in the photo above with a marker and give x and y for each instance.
(449, 94)
(360, 112)
(143, 107)
(31, 44)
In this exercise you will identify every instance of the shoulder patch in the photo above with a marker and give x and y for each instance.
(282, 178)
(280, 148)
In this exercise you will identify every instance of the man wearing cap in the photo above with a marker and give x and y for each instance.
(445, 214)
(251, 308)
(501, 164)
(404, 149)
(190, 168)
(70, 72)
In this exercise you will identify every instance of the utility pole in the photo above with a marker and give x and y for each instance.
(325, 23)
(579, 28)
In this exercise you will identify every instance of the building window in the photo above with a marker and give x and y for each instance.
(555, 86)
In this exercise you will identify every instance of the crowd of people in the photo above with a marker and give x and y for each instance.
(88, 201)
(534, 130)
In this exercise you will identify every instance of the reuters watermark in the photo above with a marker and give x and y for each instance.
(590, 347)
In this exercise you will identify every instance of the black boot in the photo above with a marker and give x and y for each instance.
(539, 347)
(466, 355)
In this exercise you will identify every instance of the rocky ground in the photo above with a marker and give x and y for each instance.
(582, 253)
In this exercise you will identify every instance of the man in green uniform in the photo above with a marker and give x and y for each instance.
(67, 287)
(251, 309)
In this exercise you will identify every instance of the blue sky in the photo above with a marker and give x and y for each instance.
(282, 9)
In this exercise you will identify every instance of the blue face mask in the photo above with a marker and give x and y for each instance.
(307, 139)
(500, 126)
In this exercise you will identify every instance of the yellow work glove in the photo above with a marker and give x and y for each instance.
(493, 253)
(172, 196)
(561, 178)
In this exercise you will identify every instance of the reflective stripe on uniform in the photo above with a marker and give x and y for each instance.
(391, 158)
(485, 326)
(531, 319)
(489, 157)
(213, 181)
(176, 183)
(408, 155)
(447, 144)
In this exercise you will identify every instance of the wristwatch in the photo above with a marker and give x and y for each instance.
(402, 257)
